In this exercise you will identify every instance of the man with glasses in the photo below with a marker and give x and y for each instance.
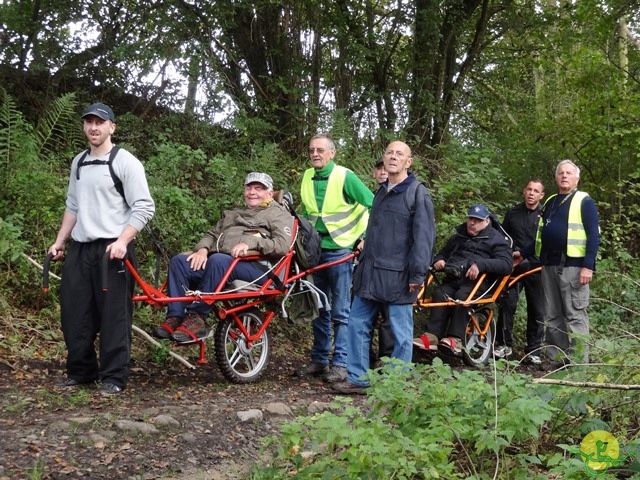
(567, 244)
(262, 225)
(337, 203)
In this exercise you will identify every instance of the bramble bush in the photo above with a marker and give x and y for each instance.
(426, 422)
(431, 421)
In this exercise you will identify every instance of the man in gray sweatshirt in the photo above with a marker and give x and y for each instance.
(108, 203)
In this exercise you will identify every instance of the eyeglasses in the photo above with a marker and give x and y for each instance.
(319, 150)
(398, 153)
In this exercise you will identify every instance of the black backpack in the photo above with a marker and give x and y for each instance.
(308, 244)
(117, 183)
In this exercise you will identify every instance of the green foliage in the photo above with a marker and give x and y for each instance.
(615, 297)
(58, 123)
(616, 241)
(433, 422)
(11, 245)
(160, 355)
(38, 471)
(424, 422)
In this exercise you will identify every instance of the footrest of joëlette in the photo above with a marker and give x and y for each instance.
(200, 341)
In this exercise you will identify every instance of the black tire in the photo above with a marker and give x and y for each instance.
(238, 363)
(477, 348)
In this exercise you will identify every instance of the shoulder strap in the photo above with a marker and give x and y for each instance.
(81, 163)
(412, 192)
(546, 202)
(116, 181)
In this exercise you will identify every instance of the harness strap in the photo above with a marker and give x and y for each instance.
(116, 181)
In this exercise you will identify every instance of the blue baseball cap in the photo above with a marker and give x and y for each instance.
(478, 211)
(100, 110)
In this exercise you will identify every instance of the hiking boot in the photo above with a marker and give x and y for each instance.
(502, 351)
(349, 388)
(336, 374)
(313, 369)
(426, 341)
(167, 328)
(192, 328)
(108, 388)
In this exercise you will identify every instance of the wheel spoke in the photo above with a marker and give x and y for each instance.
(235, 356)
(251, 362)
(238, 362)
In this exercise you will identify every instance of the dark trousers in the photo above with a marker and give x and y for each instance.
(87, 310)
(532, 286)
(386, 339)
(182, 277)
(451, 321)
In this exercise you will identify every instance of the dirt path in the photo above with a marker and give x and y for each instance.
(169, 423)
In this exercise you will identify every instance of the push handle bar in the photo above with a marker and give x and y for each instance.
(45, 271)
(104, 274)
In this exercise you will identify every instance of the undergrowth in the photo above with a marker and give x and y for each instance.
(431, 421)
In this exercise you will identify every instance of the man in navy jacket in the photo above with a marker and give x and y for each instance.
(392, 267)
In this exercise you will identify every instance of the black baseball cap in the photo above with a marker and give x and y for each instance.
(100, 110)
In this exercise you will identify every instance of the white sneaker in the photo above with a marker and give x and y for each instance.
(503, 351)
(533, 360)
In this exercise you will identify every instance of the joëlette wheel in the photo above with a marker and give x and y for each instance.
(238, 361)
(477, 347)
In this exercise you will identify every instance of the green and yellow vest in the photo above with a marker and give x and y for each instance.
(345, 222)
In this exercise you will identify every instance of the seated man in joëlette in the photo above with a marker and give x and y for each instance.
(474, 249)
(263, 225)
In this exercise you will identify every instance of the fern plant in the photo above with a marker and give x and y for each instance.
(58, 126)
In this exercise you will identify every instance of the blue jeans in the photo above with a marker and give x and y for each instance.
(363, 315)
(182, 277)
(335, 282)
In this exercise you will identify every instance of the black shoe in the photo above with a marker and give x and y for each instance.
(558, 364)
(349, 388)
(336, 374)
(313, 369)
(70, 383)
(108, 388)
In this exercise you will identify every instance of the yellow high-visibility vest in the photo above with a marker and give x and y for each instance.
(576, 234)
(345, 222)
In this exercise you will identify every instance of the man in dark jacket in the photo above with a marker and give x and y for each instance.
(474, 249)
(521, 224)
(383, 324)
(393, 265)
